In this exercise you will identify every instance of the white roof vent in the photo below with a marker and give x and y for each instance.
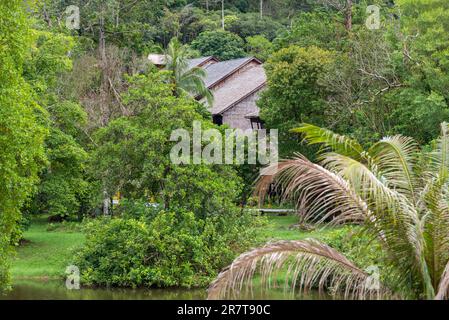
(157, 59)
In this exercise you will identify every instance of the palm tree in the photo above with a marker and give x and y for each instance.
(185, 79)
(396, 191)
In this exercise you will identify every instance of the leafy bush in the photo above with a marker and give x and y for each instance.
(137, 209)
(22, 225)
(357, 246)
(168, 249)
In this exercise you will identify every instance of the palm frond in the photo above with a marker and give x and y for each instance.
(439, 157)
(309, 264)
(330, 141)
(186, 79)
(364, 179)
(319, 194)
(395, 217)
(399, 192)
(192, 82)
(436, 227)
(443, 288)
(396, 158)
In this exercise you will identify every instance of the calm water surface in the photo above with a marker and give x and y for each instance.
(56, 290)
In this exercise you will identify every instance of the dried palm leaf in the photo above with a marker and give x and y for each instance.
(318, 193)
(309, 264)
(443, 288)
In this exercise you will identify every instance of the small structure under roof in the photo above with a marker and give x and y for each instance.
(158, 60)
(236, 85)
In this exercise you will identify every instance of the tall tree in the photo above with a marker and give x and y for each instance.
(133, 156)
(21, 136)
(295, 92)
(62, 182)
(344, 6)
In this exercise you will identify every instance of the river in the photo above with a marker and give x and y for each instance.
(56, 290)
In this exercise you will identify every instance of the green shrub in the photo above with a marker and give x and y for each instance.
(169, 249)
(137, 209)
(22, 225)
(360, 248)
(351, 241)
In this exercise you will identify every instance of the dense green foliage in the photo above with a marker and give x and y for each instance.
(21, 136)
(394, 190)
(63, 182)
(260, 47)
(133, 154)
(221, 44)
(295, 91)
(163, 249)
(84, 117)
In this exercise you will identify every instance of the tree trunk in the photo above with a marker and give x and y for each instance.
(46, 16)
(261, 9)
(102, 50)
(348, 15)
(102, 41)
(106, 203)
(222, 15)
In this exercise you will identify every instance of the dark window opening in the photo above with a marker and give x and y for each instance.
(256, 123)
(218, 119)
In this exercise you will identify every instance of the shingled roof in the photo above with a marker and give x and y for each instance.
(232, 81)
(199, 62)
(218, 71)
(238, 88)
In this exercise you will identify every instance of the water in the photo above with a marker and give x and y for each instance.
(56, 290)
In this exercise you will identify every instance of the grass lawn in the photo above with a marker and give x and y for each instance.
(45, 254)
(281, 228)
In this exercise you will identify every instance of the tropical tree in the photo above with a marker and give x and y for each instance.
(222, 44)
(133, 154)
(295, 93)
(21, 135)
(185, 79)
(62, 182)
(395, 190)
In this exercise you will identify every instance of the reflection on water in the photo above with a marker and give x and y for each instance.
(56, 290)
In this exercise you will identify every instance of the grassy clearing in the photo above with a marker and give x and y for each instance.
(44, 254)
(282, 228)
